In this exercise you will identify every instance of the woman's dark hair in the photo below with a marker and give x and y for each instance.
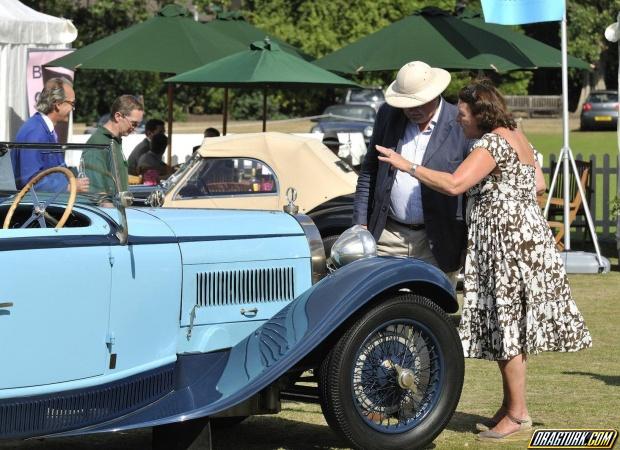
(487, 105)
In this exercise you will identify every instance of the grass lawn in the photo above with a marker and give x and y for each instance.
(586, 143)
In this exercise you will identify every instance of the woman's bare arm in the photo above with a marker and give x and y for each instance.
(471, 171)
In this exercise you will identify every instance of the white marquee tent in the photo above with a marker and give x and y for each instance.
(22, 28)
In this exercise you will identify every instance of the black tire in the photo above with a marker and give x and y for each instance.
(328, 242)
(361, 396)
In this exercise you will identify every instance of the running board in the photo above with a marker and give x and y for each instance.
(303, 394)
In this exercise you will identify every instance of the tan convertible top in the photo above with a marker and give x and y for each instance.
(301, 162)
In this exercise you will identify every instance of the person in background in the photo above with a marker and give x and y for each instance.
(151, 128)
(55, 103)
(405, 217)
(125, 115)
(516, 297)
(150, 165)
(209, 132)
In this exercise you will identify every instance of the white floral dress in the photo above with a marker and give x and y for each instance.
(516, 293)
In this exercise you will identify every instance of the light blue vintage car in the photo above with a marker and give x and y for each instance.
(113, 318)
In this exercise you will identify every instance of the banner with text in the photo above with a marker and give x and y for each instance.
(37, 75)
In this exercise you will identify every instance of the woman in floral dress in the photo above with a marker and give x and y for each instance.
(517, 300)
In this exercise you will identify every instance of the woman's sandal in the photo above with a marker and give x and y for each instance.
(490, 423)
(525, 425)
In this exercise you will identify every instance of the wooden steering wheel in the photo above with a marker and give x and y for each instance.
(38, 208)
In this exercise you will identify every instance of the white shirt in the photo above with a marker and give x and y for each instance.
(48, 122)
(406, 196)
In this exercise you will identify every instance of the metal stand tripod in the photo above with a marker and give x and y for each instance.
(575, 262)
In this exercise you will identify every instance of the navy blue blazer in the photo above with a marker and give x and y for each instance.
(443, 214)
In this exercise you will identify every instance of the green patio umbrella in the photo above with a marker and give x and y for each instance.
(264, 66)
(442, 40)
(234, 25)
(170, 42)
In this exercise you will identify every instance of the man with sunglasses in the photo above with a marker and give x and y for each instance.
(54, 104)
(125, 115)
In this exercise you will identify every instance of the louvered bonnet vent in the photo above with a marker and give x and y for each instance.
(238, 287)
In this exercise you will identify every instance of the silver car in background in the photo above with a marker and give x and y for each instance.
(600, 111)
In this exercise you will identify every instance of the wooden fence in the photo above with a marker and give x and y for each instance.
(604, 186)
(531, 104)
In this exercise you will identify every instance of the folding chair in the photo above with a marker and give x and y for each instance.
(556, 205)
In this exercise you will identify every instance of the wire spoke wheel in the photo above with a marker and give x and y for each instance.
(397, 376)
(386, 384)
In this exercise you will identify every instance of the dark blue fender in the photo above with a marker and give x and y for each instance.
(209, 383)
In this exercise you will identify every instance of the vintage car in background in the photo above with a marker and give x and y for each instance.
(365, 96)
(255, 170)
(114, 317)
(346, 119)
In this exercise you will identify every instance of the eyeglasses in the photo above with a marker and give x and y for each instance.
(71, 102)
(133, 123)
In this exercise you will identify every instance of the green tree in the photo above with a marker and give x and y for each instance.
(315, 27)
(587, 20)
(97, 89)
(323, 26)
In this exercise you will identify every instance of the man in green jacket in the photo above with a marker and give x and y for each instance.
(125, 115)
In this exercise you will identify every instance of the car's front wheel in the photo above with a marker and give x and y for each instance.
(394, 379)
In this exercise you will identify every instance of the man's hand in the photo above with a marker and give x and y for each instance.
(83, 184)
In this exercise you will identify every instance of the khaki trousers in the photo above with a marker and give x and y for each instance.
(399, 240)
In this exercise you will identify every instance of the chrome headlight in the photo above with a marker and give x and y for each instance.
(368, 131)
(353, 244)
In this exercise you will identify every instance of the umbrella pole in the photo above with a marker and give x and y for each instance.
(225, 112)
(264, 110)
(170, 96)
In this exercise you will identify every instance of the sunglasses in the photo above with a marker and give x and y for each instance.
(72, 103)
(133, 123)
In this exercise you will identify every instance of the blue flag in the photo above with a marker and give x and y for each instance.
(515, 12)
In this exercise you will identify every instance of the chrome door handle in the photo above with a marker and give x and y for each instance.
(251, 312)
(6, 305)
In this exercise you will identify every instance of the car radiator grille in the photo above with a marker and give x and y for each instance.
(238, 287)
(53, 413)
